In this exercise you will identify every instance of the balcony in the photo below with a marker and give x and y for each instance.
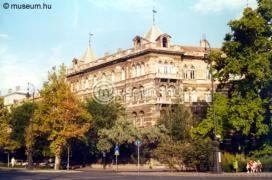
(168, 76)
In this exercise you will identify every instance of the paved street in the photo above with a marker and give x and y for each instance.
(74, 175)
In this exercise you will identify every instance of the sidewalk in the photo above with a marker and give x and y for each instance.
(6, 169)
(200, 174)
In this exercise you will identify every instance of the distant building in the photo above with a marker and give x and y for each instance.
(14, 96)
(148, 77)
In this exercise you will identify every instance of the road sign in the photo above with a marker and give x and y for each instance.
(116, 153)
(137, 142)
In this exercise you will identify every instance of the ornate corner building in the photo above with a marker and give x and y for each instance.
(149, 77)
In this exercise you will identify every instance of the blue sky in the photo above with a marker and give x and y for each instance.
(32, 41)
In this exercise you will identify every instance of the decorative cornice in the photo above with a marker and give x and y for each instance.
(125, 58)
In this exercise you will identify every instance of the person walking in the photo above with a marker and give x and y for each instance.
(13, 161)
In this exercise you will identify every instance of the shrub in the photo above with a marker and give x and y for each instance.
(228, 160)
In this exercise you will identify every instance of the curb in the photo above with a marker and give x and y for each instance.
(199, 174)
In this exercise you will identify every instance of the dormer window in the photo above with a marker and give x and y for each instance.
(164, 42)
(138, 41)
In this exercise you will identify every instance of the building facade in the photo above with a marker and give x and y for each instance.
(148, 77)
(14, 97)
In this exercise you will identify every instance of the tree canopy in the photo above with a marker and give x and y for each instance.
(60, 114)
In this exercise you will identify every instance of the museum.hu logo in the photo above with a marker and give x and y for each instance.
(24, 6)
(104, 92)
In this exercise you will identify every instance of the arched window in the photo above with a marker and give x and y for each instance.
(86, 83)
(94, 79)
(134, 116)
(82, 83)
(133, 71)
(171, 91)
(134, 94)
(162, 91)
(186, 96)
(165, 68)
(141, 116)
(123, 74)
(123, 94)
(192, 73)
(138, 70)
(142, 69)
(160, 67)
(76, 86)
(208, 96)
(113, 76)
(164, 42)
(90, 80)
(169, 67)
(141, 93)
(194, 96)
(104, 76)
(185, 72)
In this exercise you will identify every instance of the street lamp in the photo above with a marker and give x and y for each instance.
(215, 142)
(29, 153)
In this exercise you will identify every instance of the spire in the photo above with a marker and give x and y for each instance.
(89, 54)
(154, 11)
(90, 35)
(153, 33)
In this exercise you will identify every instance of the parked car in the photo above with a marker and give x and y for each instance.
(20, 162)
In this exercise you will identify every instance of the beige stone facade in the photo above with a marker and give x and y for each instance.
(148, 77)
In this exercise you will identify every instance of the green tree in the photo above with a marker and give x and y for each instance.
(198, 153)
(171, 153)
(205, 127)
(21, 123)
(60, 115)
(246, 72)
(178, 120)
(7, 141)
(104, 117)
(122, 132)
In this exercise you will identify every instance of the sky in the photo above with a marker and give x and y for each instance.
(32, 41)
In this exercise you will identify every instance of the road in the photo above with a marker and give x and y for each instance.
(73, 175)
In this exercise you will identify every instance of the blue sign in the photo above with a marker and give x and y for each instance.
(137, 142)
(116, 153)
(116, 150)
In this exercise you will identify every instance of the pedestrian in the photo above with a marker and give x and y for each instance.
(13, 161)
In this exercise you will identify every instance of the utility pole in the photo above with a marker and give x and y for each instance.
(215, 142)
(30, 149)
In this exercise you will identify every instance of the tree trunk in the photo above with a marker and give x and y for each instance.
(57, 161)
(29, 158)
(57, 158)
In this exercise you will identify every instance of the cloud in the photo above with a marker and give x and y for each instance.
(4, 36)
(124, 5)
(220, 5)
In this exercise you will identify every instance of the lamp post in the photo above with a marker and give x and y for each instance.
(215, 142)
(30, 149)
